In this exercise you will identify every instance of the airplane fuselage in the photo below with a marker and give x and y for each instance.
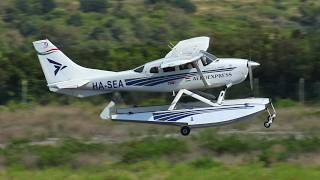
(218, 73)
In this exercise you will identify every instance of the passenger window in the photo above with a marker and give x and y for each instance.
(169, 69)
(183, 67)
(139, 69)
(186, 66)
(190, 65)
(154, 70)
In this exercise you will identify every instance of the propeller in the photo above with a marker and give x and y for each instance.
(251, 65)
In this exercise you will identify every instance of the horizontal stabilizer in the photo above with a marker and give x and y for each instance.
(69, 84)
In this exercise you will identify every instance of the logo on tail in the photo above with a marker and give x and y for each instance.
(56, 65)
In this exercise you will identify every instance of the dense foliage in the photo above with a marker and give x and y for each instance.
(206, 145)
(116, 35)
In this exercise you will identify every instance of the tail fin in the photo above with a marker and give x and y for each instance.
(63, 75)
(57, 67)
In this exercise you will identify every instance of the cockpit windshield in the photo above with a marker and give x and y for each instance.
(210, 56)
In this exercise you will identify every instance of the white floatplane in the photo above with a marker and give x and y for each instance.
(184, 70)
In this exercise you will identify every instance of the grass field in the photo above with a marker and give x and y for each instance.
(82, 121)
(163, 170)
(71, 142)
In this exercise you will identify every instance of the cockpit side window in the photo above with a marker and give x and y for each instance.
(139, 69)
(154, 70)
(206, 61)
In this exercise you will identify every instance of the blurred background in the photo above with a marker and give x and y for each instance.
(48, 136)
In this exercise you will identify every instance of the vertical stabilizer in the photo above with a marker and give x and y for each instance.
(57, 67)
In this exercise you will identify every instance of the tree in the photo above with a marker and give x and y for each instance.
(22, 5)
(187, 5)
(47, 5)
(93, 5)
(75, 20)
(27, 28)
(35, 6)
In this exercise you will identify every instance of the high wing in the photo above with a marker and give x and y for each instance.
(186, 51)
(189, 47)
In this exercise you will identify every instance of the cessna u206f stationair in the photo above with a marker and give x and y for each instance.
(185, 69)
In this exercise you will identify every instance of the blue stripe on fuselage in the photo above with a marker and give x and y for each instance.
(161, 79)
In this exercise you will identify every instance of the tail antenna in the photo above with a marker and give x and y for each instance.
(170, 45)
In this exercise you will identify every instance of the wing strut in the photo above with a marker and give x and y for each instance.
(189, 93)
(205, 82)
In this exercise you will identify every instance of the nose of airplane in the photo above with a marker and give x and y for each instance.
(253, 64)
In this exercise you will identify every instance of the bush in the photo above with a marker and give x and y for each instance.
(152, 148)
(47, 155)
(204, 162)
(28, 28)
(230, 144)
(52, 156)
(22, 5)
(75, 20)
(47, 5)
(186, 5)
(301, 145)
(226, 144)
(285, 103)
(62, 154)
(19, 142)
(35, 6)
(234, 144)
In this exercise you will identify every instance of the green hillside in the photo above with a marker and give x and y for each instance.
(116, 35)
